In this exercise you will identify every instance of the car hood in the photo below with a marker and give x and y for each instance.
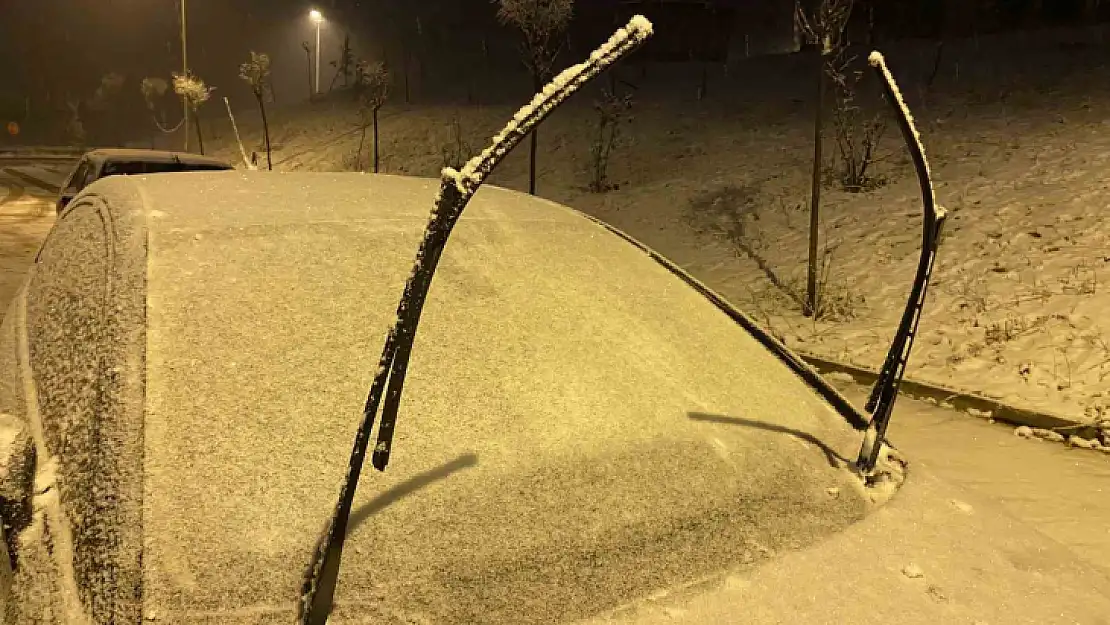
(934, 554)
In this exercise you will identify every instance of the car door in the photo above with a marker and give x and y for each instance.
(77, 360)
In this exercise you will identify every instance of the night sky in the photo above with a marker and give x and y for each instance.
(54, 46)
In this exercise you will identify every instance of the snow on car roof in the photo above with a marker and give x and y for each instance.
(579, 426)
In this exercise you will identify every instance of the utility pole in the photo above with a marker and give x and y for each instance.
(185, 72)
(317, 17)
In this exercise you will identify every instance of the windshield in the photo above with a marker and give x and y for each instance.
(115, 168)
(571, 402)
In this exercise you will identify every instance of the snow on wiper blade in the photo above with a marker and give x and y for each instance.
(457, 187)
(881, 402)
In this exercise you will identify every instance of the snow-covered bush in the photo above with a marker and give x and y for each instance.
(857, 133)
(257, 74)
(457, 151)
(613, 112)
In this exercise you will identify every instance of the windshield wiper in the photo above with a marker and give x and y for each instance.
(457, 187)
(881, 401)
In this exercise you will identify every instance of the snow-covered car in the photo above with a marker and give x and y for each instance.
(589, 434)
(97, 164)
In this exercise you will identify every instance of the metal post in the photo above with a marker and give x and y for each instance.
(185, 71)
(318, 22)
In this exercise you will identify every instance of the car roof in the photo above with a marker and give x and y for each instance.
(569, 401)
(153, 156)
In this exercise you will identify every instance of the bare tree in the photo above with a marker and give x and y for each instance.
(257, 73)
(372, 84)
(613, 112)
(195, 93)
(75, 125)
(542, 22)
(823, 28)
(345, 66)
(857, 134)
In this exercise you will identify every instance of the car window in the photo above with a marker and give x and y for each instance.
(125, 168)
(157, 168)
(130, 168)
(75, 180)
(89, 177)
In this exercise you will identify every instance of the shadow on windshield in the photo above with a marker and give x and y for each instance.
(389, 497)
(835, 459)
(408, 487)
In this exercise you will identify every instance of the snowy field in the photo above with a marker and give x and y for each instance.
(1017, 131)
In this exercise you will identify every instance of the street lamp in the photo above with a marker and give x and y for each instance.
(184, 71)
(317, 17)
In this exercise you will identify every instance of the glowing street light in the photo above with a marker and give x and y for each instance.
(317, 17)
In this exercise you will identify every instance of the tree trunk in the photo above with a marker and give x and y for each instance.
(703, 88)
(308, 54)
(200, 136)
(265, 131)
(809, 309)
(937, 57)
(358, 152)
(871, 39)
(376, 161)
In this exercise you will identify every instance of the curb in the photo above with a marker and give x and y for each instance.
(965, 401)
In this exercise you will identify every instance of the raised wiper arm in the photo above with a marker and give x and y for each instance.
(457, 187)
(881, 402)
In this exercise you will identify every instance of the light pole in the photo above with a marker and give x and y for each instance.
(185, 72)
(319, 19)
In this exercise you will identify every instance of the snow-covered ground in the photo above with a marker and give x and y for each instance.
(1018, 135)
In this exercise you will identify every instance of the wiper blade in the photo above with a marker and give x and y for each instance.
(457, 187)
(883, 395)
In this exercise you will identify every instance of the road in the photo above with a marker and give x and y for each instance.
(1062, 491)
(27, 195)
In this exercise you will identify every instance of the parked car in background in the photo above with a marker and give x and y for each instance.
(588, 434)
(97, 164)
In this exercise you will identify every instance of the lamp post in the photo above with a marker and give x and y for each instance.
(184, 71)
(319, 19)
